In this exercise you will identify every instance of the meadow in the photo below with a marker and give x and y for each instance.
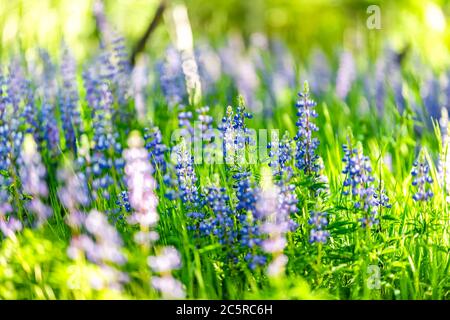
(233, 171)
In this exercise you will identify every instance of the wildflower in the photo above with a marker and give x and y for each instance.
(73, 191)
(209, 67)
(171, 78)
(346, 74)
(141, 186)
(359, 185)
(319, 222)
(68, 99)
(222, 224)
(122, 70)
(33, 174)
(306, 157)
(273, 210)
(101, 244)
(281, 155)
(186, 176)
(156, 148)
(421, 180)
(235, 135)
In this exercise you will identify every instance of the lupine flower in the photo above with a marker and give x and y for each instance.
(283, 76)
(171, 78)
(101, 244)
(47, 78)
(107, 151)
(122, 70)
(241, 69)
(421, 180)
(73, 191)
(319, 222)
(222, 224)
(169, 259)
(140, 81)
(209, 67)
(33, 174)
(187, 179)
(68, 100)
(235, 135)
(346, 74)
(50, 126)
(359, 185)
(319, 72)
(274, 222)
(281, 155)
(156, 148)
(306, 157)
(141, 187)
(395, 79)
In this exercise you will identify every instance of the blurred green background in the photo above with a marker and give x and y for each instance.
(302, 24)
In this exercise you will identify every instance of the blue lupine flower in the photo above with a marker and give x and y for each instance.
(306, 157)
(421, 180)
(223, 222)
(107, 150)
(73, 191)
(33, 174)
(209, 67)
(235, 135)
(281, 154)
(122, 70)
(123, 201)
(171, 78)
(50, 127)
(246, 192)
(186, 176)
(48, 85)
(359, 185)
(319, 222)
(156, 148)
(68, 100)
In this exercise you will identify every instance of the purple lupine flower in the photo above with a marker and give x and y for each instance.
(33, 175)
(235, 135)
(68, 100)
(156, 148)
(241, 69)
(47, 78)
(187, 179)
(306, 157)
(274, 206)
(140, 81)
(141, 189)
(50, 127)
(164, 263)
(359, 185)
(101, 243)
(171, 78)
(283, 75)
(319, 222)
(107, 150)
(319, 73)
(346, 74)
(122, 70)
(73, 191)
(422, 180)
(209, 67)
(222, 224)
